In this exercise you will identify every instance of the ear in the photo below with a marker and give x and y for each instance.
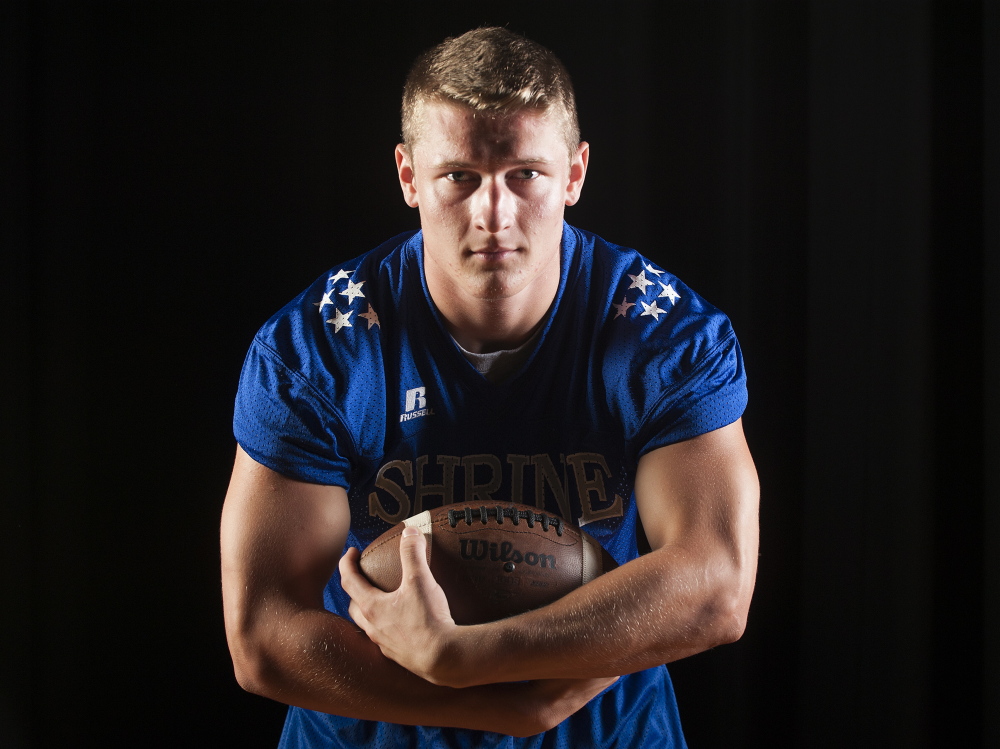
(404, 166)
(577, 173)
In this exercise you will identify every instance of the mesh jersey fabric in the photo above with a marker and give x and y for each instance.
(356, 383)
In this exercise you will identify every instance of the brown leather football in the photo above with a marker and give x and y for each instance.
(493, 561)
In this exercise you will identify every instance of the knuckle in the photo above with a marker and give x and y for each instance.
(413, 578)
(361, 608)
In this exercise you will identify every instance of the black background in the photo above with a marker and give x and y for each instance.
(826, 172)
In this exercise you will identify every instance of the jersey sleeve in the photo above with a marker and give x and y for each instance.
(283, 423)
(704, 393)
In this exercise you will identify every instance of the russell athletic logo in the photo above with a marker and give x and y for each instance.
(416, 405)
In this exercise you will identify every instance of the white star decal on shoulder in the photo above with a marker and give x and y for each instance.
(341, 274)
(652, 270)
(669, 293)
(640, 281)
(326, 300)
(371, 317)
(652, 310)
(340, 320)
(353, 290)
(622, 308)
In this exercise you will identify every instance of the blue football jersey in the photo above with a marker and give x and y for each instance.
(357, 383)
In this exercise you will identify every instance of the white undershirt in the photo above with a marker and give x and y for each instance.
(497, 366)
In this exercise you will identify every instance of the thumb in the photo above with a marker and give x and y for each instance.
(413, 553)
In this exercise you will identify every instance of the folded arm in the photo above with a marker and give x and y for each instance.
(698, 502)
(281, 540)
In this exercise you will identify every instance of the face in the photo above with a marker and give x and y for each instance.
(491, 191)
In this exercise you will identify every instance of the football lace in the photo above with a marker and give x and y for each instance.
(498, 513)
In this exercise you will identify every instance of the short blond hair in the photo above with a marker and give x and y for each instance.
(490, 70)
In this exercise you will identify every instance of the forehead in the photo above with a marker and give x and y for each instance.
(452, 133)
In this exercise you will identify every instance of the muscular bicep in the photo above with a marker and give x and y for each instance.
(702, 495)
(281, 540)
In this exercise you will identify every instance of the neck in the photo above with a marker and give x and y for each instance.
(497, 328)
(486, 323)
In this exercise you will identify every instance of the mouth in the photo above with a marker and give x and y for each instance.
(494, 251)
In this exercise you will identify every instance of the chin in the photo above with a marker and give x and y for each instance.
(497, 285)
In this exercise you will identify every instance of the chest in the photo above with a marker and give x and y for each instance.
(546, 438)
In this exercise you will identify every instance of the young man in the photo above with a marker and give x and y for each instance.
(497, 354)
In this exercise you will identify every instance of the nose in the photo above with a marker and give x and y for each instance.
(494, 206)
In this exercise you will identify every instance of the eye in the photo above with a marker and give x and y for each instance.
(526, 174)
(458, 177)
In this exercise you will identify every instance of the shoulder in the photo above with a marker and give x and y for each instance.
(639, 302)
(307, 381)
(661, 342)
(339, 316)
(326, 346)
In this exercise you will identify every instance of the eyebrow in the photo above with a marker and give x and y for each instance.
(469, 165)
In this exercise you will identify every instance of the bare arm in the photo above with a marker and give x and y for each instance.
(281, 540)
(698, 502)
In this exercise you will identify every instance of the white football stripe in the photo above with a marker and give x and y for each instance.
(591, 558)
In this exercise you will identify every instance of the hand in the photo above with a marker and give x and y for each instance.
(411, 625)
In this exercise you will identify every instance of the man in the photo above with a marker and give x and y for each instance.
(498, 354)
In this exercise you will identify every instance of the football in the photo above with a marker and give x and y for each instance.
(494, 561)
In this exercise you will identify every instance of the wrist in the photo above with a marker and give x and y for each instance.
(460, 659)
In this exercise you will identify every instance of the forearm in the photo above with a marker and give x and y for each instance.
(319, 661)
(656, 609)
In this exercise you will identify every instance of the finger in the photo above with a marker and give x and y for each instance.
(358, 617)
(353, 582)
(413, 555)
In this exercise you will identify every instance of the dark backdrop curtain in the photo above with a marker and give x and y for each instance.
(826, 172)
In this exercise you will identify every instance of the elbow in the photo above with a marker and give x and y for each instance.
(255, 646)
(253, 666)
(250, 675)
(732, 601)
(722, 623)
(730, 627)
(249, 667)
(727, 615)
